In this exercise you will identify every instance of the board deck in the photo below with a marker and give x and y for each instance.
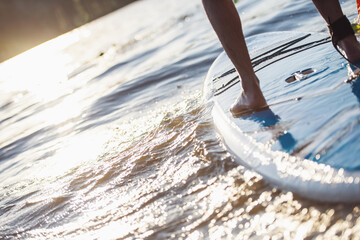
(308, 141)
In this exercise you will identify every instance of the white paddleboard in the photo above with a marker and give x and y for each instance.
(308, 142)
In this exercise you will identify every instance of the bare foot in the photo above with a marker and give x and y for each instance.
(248, 102)
(350, 47)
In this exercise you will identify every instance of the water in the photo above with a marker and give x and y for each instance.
(104, 135)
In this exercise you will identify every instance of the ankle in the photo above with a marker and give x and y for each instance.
(347, 42)
(350, 48)
(253, 87)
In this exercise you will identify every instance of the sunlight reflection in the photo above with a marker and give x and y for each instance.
(69, 108)
(42, 69)
(79, 149)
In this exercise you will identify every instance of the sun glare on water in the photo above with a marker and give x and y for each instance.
(37, 85)
(41, 70)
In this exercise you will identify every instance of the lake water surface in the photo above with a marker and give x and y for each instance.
(105, 135)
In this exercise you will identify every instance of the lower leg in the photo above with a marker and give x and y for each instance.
(331, 11)
(227, 25)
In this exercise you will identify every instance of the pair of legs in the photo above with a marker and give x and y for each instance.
(226, 22)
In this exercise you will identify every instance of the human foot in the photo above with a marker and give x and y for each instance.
(248, 102)
(350, 47)
(344, 40)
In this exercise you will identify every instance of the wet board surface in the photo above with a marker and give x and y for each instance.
(308, 141)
